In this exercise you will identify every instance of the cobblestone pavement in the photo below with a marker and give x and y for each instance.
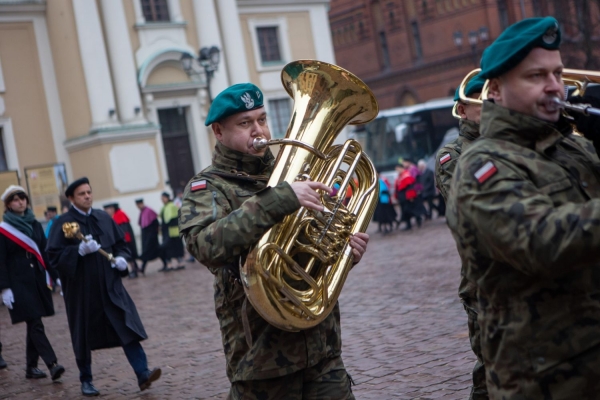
(404, 330)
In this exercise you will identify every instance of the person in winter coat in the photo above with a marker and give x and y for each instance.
(25, 281)
(100, 312)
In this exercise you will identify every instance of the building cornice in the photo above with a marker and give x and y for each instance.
(417, 71)
(253, 3)
(27, 6)
(118, 134)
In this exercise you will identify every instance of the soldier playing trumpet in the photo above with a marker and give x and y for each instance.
(524, 208)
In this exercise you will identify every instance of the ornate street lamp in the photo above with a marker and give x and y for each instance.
(208, 59)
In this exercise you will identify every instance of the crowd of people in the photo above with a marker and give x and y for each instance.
(413, 192)
(33, 260)
(522, 189)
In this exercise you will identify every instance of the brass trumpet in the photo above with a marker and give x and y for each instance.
(574, 77)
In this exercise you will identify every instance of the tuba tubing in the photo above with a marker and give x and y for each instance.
(294, 274)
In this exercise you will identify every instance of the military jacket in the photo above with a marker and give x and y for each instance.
(447, 156)
(524, 208)
(445, 163)
(219, 222)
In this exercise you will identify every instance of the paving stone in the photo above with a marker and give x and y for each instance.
(404, 330)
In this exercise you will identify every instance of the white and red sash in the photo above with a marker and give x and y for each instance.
(27, 244)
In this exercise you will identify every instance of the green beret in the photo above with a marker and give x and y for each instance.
(234, 99)
(475, 85)
(515, 43)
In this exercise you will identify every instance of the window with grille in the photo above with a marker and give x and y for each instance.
(155, 10)
(279, 114)
(268, 41)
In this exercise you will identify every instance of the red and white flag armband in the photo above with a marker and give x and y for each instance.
(486, 172)
(198, 185)
(445, 158)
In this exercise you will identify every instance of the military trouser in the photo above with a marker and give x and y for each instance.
(327, 380)
(479, 389)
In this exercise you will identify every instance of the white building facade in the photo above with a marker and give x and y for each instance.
(98, 85)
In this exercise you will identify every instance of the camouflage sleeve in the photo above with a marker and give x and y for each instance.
(509, 219)
(444, 169)
(215, 234)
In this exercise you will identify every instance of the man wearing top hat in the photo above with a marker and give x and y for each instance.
(524, 208)
(226, 209)
(99, 310)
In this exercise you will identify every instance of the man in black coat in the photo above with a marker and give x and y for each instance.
(427, 181)
(99, 310)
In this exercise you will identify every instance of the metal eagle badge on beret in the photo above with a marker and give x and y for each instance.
(551, 35)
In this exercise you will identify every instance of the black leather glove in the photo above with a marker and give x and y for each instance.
(588, 125)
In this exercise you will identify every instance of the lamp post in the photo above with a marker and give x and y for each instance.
(208, 59)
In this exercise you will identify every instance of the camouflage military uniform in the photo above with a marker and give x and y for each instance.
(524, 208)
(219, 222)
(445, 163)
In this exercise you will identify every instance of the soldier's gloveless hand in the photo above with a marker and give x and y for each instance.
(306, 192)
(359, 242)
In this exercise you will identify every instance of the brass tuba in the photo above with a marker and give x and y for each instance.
(295, 273)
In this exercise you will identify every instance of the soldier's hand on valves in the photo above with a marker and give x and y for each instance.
(587, 125)
(119, 264)
(359, 242)
(306, 192)
(7, 298)
(88, 247)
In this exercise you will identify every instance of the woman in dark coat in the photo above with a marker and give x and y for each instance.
(24, 280)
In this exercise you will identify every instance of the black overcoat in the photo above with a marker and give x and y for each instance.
(150, 245)
(99, 310)
(25, 276)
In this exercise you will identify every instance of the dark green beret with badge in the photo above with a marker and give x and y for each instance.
(235, 99)
(515, 43)
(475, 85)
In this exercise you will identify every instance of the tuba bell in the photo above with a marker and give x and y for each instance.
(295, 273)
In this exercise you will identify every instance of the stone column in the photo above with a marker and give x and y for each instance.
(95, 64)
(208, 36)
(121, 60)
(233, 41)
(175, 10)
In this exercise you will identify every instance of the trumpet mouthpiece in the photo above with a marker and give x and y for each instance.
(260, 143)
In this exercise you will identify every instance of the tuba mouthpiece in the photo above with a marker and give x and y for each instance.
(260, 143)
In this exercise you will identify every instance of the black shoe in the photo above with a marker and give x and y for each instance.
(2, 363)
(164, 269)
(148, 377)
(179, 267)
(34, 373)
(56, 371)
(406, 228)
(87, 389)
(133, 275)
(191, 259)
(418, 222)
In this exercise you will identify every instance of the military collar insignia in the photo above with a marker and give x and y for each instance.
(248, 101)
(551, 35)
(486, 172)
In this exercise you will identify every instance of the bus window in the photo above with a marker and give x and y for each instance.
(413, 132)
